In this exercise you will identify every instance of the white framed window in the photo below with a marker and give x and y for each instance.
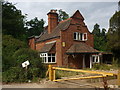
(85, 36)
(48, 58)
(80, 36)
(95, 58)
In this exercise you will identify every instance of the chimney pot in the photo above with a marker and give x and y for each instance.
(53, 10)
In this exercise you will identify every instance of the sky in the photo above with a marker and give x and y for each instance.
(93, 12)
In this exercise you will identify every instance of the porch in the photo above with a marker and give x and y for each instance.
(82, 56)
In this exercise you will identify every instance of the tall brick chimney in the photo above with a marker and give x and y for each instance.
(52, 20)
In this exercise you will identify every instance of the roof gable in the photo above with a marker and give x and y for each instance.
(47, 48)
(77, 15)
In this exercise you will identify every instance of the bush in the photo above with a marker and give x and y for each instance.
(14, 74)
(36, 69)
(97, 66)
(9, 46)
(115, 63)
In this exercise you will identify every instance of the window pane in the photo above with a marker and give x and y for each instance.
(96, 58)
(85, 36)
(53, 59)
(93, 58)
(53, 54)
(75, 35)
(49, 54)
(44, 59)
(81, 37)
(49, 59)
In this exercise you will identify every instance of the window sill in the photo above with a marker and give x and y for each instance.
(96, 62)
(50, 63)
(80, 40)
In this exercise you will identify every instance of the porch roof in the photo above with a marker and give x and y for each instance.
(81, 48)
(46, 48)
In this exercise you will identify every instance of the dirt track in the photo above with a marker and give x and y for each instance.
(88, 83)
(62, 84)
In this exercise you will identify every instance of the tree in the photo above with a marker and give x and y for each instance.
(103, 32)
(96, 30)
(12, 21)
(113, 35)
(99, 38)
(35, 26)
(62, 15)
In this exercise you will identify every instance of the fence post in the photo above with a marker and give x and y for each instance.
(50, 73)
(118, 77)
(54, 77)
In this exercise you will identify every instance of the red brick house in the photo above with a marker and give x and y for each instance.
(66, 43)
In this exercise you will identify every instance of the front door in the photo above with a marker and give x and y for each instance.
(87, 60)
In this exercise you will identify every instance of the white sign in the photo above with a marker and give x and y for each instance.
(25, 64)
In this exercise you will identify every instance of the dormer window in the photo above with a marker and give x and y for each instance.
(80, 36)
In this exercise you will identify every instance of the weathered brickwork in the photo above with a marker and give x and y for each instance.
(66, 40)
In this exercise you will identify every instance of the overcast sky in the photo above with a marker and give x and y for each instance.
(93, 12)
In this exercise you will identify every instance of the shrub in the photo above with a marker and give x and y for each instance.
(36, 69)
(97, 66)
(9, 46)
(14, 74)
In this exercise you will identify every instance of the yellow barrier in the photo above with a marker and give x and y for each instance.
(51, 71)
(80, 78)
(118, 77)
(85, 71)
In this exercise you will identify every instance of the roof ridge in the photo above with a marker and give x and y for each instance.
(65, 20)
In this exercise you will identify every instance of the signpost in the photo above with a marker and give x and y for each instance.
(25, 65)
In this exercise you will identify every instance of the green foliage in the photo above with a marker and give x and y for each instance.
(14, 74)
(100, 41)
(14, 51)
(35, 61)
(15, 24)
(12, 21)
(97, 66)
(115, 63)
(96, 30)
(9, 46)
(60, 73)
(36, 69)
(113, 35)
(62, 15)
(35, 26)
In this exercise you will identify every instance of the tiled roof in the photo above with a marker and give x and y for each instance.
(46, 48)
(63, 25)
(81, 48)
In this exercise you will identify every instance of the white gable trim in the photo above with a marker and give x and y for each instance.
(50, 42)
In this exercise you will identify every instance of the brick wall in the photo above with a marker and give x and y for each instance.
(32, 43)
(67, 37)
